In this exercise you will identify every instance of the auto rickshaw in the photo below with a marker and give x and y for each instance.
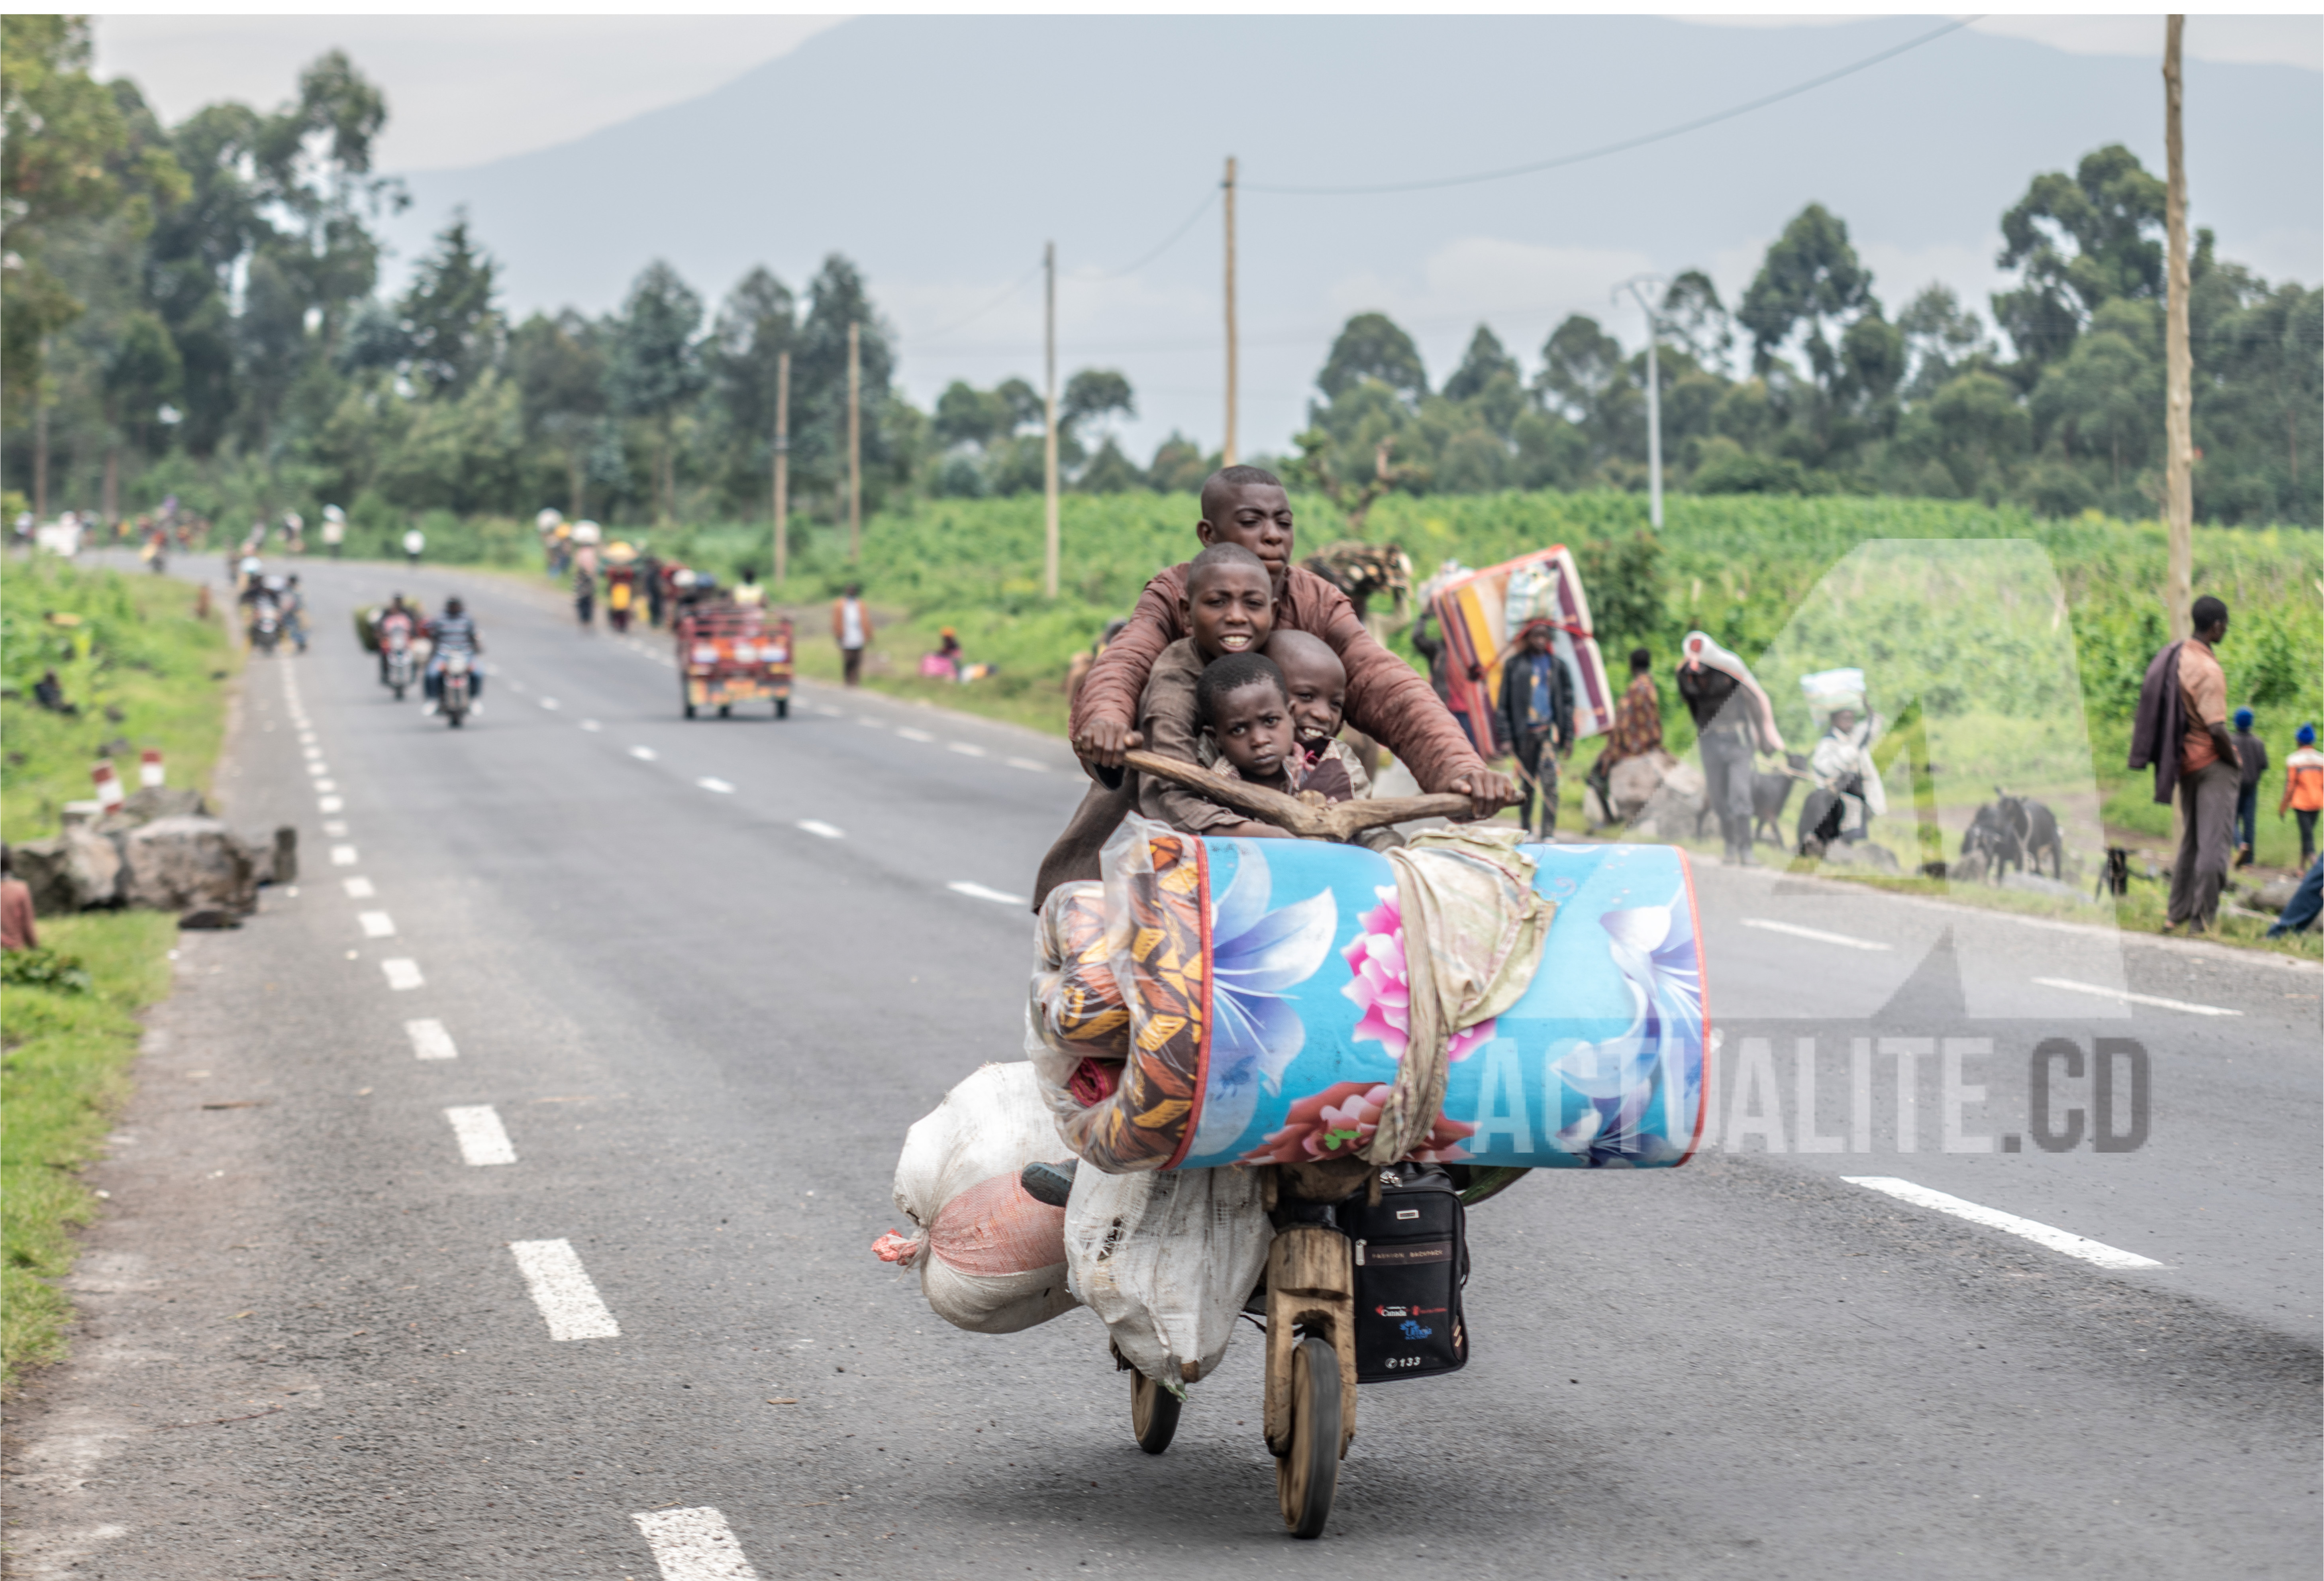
(730, 653)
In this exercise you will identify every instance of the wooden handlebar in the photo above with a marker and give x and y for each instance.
(1337, 820)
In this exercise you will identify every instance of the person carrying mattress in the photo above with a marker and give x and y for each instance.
(1385, 699)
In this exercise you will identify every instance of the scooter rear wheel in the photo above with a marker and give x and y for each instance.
(1306, 1478)
(1153, 1413)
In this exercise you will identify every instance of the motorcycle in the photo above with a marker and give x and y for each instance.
(399, 662)
(453, 699)
(265, 628)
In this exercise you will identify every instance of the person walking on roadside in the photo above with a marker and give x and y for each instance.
(1536, 713)
(414, 541)
(1732, 717)
(2181, 729)
(2251, 761)
(851, 628)
(2304, 790)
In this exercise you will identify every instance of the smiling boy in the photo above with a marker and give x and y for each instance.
(1228, 606)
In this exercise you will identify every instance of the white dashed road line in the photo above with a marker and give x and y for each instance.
(335, 829)
(1029, 764)
(2040, 1235)
(330, 804)
(977, 891)
(828, 712)
(591, 724)
(965, 748)
(816, 826)
(868, 721)
(710, 782)
(318, 768)
(482, 1139)
(402, 974)
(359, 889)
(644, 754)
(2126, 997)
(694, 1545)
(560, 1287)
(551, 703)
(376, 924)
(327, 785)
(1818, 934)
(430, 1040)
(908, 734)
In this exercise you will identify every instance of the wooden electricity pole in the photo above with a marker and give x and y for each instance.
(1227, 451)
(40, 454)
(2179, 370)
(854, 442)
(1050, 404)
(782, 465)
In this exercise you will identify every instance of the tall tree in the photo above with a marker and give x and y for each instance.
(656, 366)
(1484, 361)
(1371, 346)
(2077, 242)
(836, 298)
(452, 330)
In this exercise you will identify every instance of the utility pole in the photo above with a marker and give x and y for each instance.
(40, 452)
(2179, 370)
(1227, 451)
(854, 442)
(1640, 287)
(1049, 405)
(782, 465)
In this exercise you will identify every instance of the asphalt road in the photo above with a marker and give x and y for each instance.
(696, 980)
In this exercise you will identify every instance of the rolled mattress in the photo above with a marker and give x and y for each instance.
(1216, 1002)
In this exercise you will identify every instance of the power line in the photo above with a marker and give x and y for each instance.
(1168, 242)
(1015, 286)
(1626, 144)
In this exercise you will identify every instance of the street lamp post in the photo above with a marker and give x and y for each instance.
(1638, 287)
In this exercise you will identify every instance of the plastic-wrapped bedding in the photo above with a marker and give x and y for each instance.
(1263, 1010)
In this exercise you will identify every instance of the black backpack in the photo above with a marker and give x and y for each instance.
(1411, 1260)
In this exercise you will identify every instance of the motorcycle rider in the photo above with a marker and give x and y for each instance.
(455, 632)
(398, 616)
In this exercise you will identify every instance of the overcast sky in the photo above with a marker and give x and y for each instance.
(468, 89)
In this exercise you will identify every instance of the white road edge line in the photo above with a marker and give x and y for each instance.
(343, 856)
(359, 889)
(1818, 934)
(330, 804)
(560, 1287)
(816, 826)
(376, 924)
(402, 974)
(977, 891)
(908, 734)
(430, 1040)
(2126, 994)
(694, 1545)
(644, 754)
(712, 782)
(2056, 1240)
(965, 748)
(482, 1139)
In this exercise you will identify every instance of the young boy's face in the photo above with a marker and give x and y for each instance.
(1257, 515)
(1318, 685)
(1228, 609)
(1252, 725)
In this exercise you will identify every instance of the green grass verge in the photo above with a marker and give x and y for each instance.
(64, 1074)
(134, 660)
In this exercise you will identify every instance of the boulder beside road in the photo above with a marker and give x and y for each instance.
(187, 863)
(76, 871)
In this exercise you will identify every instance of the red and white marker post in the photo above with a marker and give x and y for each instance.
(109, 788)
(150, 769)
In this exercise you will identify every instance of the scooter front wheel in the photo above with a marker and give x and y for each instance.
(1153, 1413)
(1306, 1478)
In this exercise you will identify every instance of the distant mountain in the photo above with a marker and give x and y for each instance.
(940, 152)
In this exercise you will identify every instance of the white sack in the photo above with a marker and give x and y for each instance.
(990, 1126)
(1167, 1258)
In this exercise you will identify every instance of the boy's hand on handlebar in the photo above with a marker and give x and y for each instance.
(1489, 791)
(1104, 741)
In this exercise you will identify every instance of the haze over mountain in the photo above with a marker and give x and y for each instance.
(940, 152)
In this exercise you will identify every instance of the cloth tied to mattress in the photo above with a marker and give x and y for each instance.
(1473, 930)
